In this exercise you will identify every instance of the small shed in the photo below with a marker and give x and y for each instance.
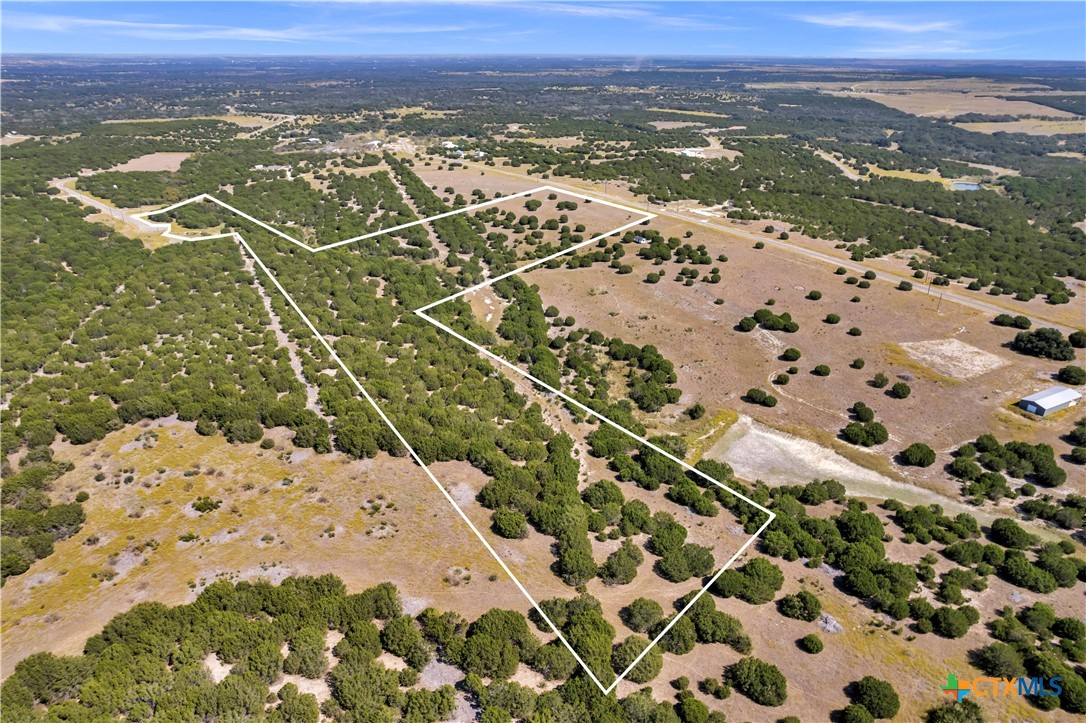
(1050, 400)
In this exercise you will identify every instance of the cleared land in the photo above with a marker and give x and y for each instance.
(154, 162)
(283, 512)
(1032, 127)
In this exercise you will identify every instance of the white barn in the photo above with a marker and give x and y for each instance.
(1050, 400)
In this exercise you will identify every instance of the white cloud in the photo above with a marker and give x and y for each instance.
(195, 31)
(939, 49)
(863, 21)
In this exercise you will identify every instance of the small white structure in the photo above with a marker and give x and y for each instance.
(371, 146)
(448, 145)
(312, 140)
(1050, 400)
(262, 167)
(479, 154)
(693, 152)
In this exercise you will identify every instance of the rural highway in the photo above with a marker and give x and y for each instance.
(119, 213)
(948, 293)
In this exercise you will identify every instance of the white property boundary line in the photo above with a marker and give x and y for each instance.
(167, 229)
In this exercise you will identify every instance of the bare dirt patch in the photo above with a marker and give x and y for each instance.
(1029, 126)
(953, 357)
(154, 162)
(664, 125)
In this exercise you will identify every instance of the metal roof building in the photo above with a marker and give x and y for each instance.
(1050, 400)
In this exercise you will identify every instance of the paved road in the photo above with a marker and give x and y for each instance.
(119, 213)
(950, 294)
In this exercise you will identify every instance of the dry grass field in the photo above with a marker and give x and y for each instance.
(963, 377)
(1029, 126)
(282, 513)
(154, 162)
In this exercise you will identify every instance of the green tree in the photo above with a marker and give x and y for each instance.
(918, 454)
(877, 696)
(1073, 375)
(306, 657)
(762, 682)
(641, 614)
(510, 524)
(801, 606)
(627, 651)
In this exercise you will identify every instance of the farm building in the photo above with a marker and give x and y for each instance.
(1050, 400)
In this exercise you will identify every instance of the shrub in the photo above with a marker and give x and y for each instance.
(862, 412)
(1009, 534)
(620, 567)
(760, 245)
(1073, 375)
(855, 331)
(832, 319)
(840, 271)
(510, 524)
(801, 606)
(918, 454)
(951, 622)
(905, 286)
(877, 696)
(858, 363)
(821, 370)
(1000, 660)
(867, 434)
(641, 614)
(869, 275)
(646, 669)
(856, 713)
(696, 412)
(900, 390)
(880, 380)
(1017, 322)
(791, 354)
(1077, 339)
(814, 295)
(762, 682)
(1045, 342)
(811, 644)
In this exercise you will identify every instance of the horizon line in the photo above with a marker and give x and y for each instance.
(639, 57)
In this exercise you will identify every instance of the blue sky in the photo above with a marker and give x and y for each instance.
(954, 30)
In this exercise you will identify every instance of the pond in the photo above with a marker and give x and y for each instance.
(965, 186)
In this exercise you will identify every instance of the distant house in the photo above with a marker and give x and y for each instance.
(371, 146)
(479, 154)
(312, 140)
(448, 145)
(262, 167)
(1050, 400)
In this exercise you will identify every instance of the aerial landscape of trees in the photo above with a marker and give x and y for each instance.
(105, 329)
